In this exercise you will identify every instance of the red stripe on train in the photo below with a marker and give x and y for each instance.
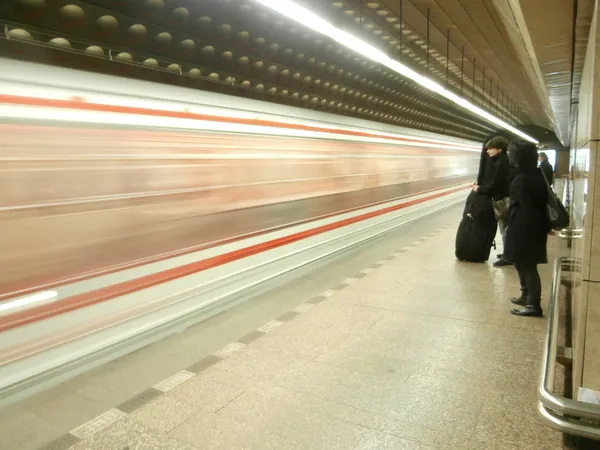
(52, 283)
(127, 287)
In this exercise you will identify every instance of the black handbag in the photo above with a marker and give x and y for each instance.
(557, 213)
(501, 208)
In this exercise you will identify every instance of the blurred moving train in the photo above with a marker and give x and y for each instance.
(100, 173)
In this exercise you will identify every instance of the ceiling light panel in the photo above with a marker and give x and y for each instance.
(313, 21)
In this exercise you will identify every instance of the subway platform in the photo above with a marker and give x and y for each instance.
(414, 351)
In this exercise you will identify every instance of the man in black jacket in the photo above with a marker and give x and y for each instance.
(546, 167)
(494, 181)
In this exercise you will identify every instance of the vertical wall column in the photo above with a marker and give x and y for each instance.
(585, 167)
(562, 164)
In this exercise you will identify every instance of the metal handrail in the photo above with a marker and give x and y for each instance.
(571, 233)
(568, 426)
(549, 403)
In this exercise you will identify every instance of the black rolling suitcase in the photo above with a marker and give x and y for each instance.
(477, 230)
(474, 241)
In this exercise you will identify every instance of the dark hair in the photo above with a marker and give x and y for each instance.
(543, 155)
(523, 154)
(497, 142)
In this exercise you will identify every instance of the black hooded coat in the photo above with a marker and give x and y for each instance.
(527, 220)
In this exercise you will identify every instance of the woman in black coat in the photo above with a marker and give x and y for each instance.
(527, 226)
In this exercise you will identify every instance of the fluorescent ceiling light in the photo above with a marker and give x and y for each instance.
(311, 20)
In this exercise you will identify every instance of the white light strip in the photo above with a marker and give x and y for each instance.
(310, 20)
(25, 301)
(157, 122)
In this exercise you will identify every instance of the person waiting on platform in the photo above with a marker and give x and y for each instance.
(546, 167)
(495, 182)
(548, 172)
(527, 226)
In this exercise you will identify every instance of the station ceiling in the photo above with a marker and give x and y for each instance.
(472, 47)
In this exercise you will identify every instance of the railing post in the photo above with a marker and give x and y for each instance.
(564, 414)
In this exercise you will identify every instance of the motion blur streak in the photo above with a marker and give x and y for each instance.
(76, 111)
(55, 97)
(77, 200)
(27, 301)
(89, 187)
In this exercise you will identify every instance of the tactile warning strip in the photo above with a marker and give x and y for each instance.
(174, 381)
(98, 423)
(113, 415)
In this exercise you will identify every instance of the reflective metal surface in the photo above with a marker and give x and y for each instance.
(562, 413)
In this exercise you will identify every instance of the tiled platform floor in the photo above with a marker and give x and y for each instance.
(419, 352)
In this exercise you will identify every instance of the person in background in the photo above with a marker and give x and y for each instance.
(494, 181)
(548, 172)
(527, 226)
(546, 167)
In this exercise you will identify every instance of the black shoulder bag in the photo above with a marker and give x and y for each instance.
(557, 213)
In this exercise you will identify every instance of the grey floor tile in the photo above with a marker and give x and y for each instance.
(504, 318)
(64, 408)
(432, 434)
(315, 430)
(109, 388)
(64, 442)
(254, 362)
(376, 440)
(204, 364)
(229, 378)
(350, 317)
(314, 378)
(307, 426)
(302, 338)
(387, 422)
(513, 419)
(206, 394)
(166, 412)
(257, 411)
(272, 403)
(388, 278)
(260, 387)
(250, 337)
(23, 430)
(216, 431)
(480, 443)
(479, 376)
(129, 434)
(286, 317)
(364, 298)
(370, 363)
(283, 370)
(139, 400)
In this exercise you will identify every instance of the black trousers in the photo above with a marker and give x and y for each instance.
(531, 285)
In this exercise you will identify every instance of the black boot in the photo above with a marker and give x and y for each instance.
(521, 301)
(531, 309)
(528, 311)
(502, 263)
